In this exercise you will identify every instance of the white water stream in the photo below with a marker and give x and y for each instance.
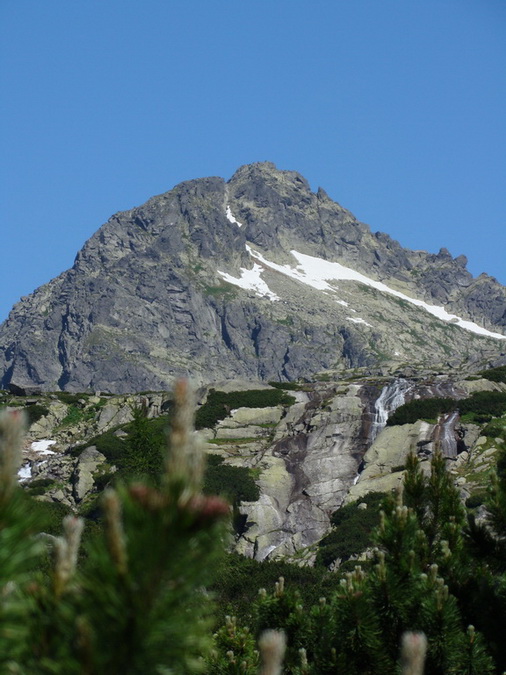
(392, 396)
(444, 434)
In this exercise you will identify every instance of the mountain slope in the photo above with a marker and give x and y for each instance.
(213, 279)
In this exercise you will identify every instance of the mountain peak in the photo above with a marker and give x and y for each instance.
(211, 280)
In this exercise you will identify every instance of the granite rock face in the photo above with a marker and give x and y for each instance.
(158, 291)
(327, 445)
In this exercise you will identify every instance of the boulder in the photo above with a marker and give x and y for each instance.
(82, 479)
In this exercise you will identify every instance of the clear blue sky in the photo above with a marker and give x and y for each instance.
(396, 107)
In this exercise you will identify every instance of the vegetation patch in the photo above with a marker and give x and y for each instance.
(422, 409)
(483, 405)
(476, 499)
(49, 515)
(352, 529)
(69, 398)
(495, 429)
(494, 374)
(39, 486)
(323, 377)
(35, 412)
(290, 386)
(220, 403)
(235, 483)
(399, 467)
(218, 290)
(110, 445)
(239, 579)
(74, 416)
(285, 322)
(480, 407)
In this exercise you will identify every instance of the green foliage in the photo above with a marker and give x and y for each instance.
(495, 429)
(110, 445)
(352, 530)
(353, 511)
(20, 553)
(35, 412)
(39, 486)
(494, 374)
(162, 611)
(480, 407)
(140, 454)
(49, 515)
(103, 480)
(287, 386)
(78, 409)
(69, 398)
(238, 580)
(219, 291)
(133, 602)
(74, 416)
(143, 447)
(235, 483)
(427, 408)
(220, 403)
(238, 645)
(476, 499)
(116, 448)
(483, 405)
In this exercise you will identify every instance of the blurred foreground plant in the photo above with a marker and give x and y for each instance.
(134, 600)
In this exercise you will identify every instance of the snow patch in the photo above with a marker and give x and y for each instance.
(251, 280)
(42, 447)
(321, 270)
(25, 472)
(315, 281)
(231, 218)
(316, 272)
(359, 320)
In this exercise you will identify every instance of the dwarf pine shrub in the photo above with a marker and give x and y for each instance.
(133, 601)
(428, 582)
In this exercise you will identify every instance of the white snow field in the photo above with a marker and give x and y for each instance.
(316, 272)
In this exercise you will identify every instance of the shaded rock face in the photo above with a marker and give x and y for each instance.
(326, 447)
(146, 298)
(332, 449)
(305, 468)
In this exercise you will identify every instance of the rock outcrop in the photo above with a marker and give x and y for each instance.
(328, 445)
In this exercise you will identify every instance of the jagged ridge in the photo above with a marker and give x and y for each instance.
(145, 300)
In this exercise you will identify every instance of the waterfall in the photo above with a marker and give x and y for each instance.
(444, 434)
(392, 396)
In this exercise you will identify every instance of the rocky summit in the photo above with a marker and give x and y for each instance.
(257, 278)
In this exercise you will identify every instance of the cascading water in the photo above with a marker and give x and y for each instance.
(392, 396)
(445, 436)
